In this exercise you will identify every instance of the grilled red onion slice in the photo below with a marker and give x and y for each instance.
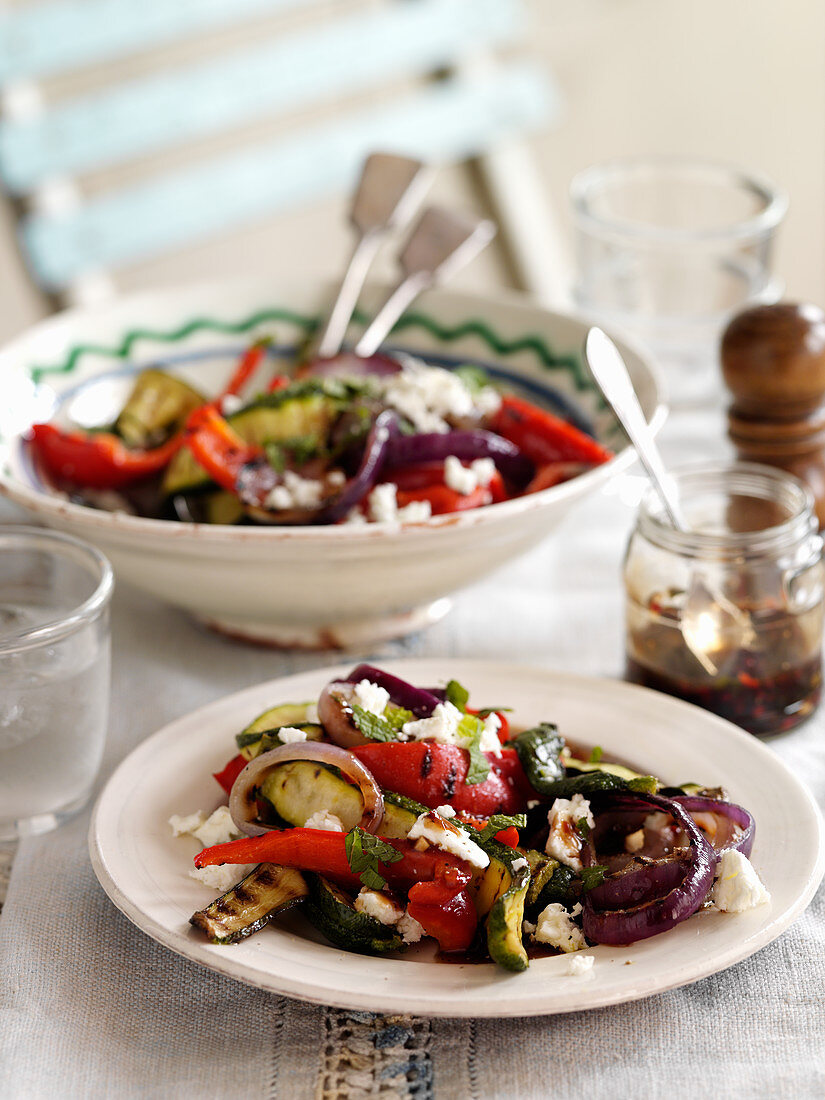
(349, 365)
(735, 827)
(372, 460)
(640, 921)
(335, 715)
(640, 881)
(474, 443)
(242, 803)
(419, 700)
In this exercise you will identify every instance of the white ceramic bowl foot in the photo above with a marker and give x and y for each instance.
(354, 634)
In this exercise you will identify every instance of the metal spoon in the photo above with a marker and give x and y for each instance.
(708, 615)
(440, 245)
(388, 195)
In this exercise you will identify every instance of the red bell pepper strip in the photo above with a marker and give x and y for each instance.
(434, 775)
(503, 731)
(543, 437)
(228, 774)
(249, 363)
(425, 481)
(554, 473)
(444, 909)
(278, 382)
(324, 852)
(99, 461)
(217, 447)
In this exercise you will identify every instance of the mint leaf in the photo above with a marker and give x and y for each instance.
(592, 876)
(457, 695)
(366, 854)
(645, 784)
(372, 725)
(470, 729)
(596, 755)
(475, 378)
(583, 828)
(397, 716)
(275, 456)
(486, 711)
(498, 822)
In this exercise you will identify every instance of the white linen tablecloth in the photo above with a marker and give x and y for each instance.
(91, 1007)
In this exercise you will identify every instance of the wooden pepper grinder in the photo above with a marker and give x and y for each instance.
(773, 362)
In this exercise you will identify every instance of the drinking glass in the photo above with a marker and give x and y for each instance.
(667, 250)
(54, 676)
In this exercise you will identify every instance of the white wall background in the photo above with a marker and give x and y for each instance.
(736, 80)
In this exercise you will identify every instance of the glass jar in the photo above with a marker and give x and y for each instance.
(729, 614)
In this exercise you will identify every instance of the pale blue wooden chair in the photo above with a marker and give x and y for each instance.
(420, 77)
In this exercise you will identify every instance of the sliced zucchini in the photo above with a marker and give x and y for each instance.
(602, 766)
(252, 741)
(331, 910)
(563, 886)
(307, 414)
(506, 913)
(542, 869)
(156, 408)
(266, 891)
(539, 752)
(301, 788)
(222, 507)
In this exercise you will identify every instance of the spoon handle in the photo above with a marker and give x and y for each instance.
(388, 194)
(441, 244)
(609, 370)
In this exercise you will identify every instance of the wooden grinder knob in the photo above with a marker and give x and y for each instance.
(773, 362)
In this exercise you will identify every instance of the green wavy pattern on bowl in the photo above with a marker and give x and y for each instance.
(445, 333)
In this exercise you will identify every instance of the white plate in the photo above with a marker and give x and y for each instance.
(144, 869)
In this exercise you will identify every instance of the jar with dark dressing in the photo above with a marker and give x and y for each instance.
(729, 614)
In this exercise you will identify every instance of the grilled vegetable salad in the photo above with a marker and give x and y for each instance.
(390, 813)
(376, 440)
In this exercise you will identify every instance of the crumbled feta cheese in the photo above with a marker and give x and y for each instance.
(230, 404)
(221, 878)
(336, 478)
(634, 842)
(289, 735)
(425, 395)
(466, 479)
(489, 741)
(528, 928)
(445, 811)
(532, 803)
(442, 726)
(185, 824)
(580, 965)
(375, 904)
(737, 886)
(356, 518)
(415, 512)
(381, 503)
(217, 829)
(556, 928)
(311, 715)
(323, 819)
(564, 841)
(411, 931)
(519, 864)
(448, 837)
(371, 697)
(295, 492)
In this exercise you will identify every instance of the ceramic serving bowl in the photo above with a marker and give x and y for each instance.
(318, 587)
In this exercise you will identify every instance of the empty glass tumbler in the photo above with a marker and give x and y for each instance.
(54, 676)
(667, 249)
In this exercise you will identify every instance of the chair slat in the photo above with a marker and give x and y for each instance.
(300, 69)
(444, 122)
(44, 39)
